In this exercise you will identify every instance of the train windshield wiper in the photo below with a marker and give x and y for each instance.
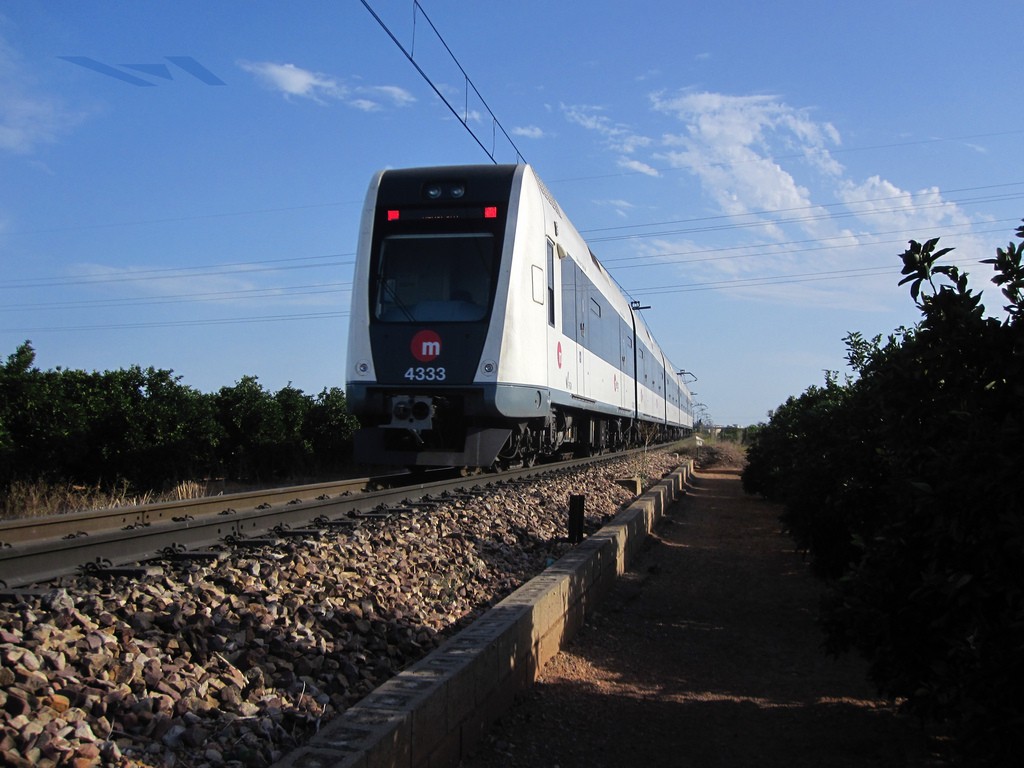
(393, 294)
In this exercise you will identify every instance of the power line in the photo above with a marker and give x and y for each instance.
(177, 273)
(243, 267)
(772, 249)
(185, 298)
(464, 117)
(178, 323)
(614, 264)
(754, 282)
(799, 155)
(799, 219)
(748, 282)
(179, 219)
(773, 211)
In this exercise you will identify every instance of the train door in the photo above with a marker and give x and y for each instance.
(627, 365)
(585, 332)
(574, 317)
(555, 372)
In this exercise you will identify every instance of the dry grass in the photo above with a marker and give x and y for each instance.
(39, 499)
(713, 452)
(722, 453)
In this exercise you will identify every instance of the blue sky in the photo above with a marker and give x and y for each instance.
(180, 183)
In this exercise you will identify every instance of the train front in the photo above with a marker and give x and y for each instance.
(427, 268)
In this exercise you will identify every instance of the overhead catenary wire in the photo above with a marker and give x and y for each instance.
(286, 292)
(763, 250)
(908, 196)
(177, 273)
(262, 265)
(464, 117)
(754, 282)
(737, 283)
(272, 292)
(798, 155)
(716, 285)
(828, 216)
(178, 323)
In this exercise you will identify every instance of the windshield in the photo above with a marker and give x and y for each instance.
(435, 278)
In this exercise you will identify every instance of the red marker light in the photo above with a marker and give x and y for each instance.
(491, 212)
(392, 215)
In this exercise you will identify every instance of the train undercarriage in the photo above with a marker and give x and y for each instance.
(426, 432)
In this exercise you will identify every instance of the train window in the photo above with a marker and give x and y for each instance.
(551, 284)
(595, 307)
(435, 278)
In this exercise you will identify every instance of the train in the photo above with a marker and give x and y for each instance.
(484, 332)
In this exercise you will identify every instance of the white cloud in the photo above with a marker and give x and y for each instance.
(27, 119)
(793, 222)
(618, 137)
(922, 213)
(616, 203)
(648, 75)
(758, 155)
(399, 97)
(621, 207)
(770, 168)
(366, 105)
(638, 166)
(744, 129)
(529, 132)
(293, 81)
(736, 147)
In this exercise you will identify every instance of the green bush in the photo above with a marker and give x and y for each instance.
(903, 486)
(145, 428)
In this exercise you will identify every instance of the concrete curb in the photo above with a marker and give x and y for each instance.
(438, 709)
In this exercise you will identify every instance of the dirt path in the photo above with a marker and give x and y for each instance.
(705, 655)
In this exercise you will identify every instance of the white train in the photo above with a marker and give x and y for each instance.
(483, 330)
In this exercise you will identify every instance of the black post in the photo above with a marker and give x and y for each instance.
(577, 506)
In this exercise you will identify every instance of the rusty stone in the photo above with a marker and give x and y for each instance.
(57, 702)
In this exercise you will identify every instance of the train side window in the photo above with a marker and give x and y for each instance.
(551, 284)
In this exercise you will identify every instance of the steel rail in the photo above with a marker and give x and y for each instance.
(42, 560)
(26, 530)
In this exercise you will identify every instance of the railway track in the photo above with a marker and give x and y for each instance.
(108, 541)
(242, 659)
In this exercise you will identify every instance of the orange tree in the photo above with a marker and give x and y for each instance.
(146, 428)
(915, 508)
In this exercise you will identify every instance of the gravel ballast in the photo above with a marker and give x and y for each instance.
(238, 662)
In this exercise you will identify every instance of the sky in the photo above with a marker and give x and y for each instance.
(181, 183)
